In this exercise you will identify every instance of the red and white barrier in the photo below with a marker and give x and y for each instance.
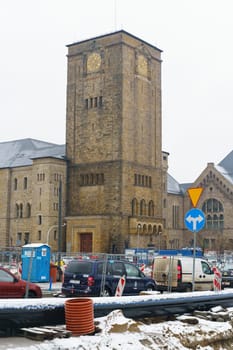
(142, 267)
(217, 279)
(19, 270)
(120, 287)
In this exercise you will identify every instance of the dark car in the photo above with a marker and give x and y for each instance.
(227, 276)
(13, 287)
(100, 278)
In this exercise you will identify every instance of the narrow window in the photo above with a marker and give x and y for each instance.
(150, 181)
(26, 237)
(15, 184)
(17, 210)
(25, 183)
(28, 213)
(39, 235)
(86, 103)
(19, 238)
(21, 210)
(39, 219)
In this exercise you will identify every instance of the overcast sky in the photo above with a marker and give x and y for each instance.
(197, 69)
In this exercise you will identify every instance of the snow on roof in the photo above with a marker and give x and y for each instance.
(173, 186)
(22, 152)
(35, 245)
(228, 176)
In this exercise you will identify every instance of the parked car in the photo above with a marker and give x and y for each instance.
(227, 276)
(13, 287)
(175, 273)
(100, 278)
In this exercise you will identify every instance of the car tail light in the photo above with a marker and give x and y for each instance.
(179, 272)
(90, 281)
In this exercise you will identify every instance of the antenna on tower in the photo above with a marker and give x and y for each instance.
(115, 15)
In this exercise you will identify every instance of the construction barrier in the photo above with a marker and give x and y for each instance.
(217, 279)
(120, 287)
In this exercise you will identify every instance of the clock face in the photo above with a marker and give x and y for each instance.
(142, 65)
(93, 62)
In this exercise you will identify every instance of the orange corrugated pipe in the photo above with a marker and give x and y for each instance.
(79, 316)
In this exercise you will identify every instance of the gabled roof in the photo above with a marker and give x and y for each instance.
(22, 152)
(225, 167)
(173, 187)
(227, 163)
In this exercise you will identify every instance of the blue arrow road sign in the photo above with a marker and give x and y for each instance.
(194, 220)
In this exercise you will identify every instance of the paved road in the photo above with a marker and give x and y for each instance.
(50, 289)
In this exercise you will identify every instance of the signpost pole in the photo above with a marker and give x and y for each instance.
(194, 221)
(194, 259)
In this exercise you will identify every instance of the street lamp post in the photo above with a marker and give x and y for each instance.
(50, 229)
(48, 233)
(160, 240)
(138, 232)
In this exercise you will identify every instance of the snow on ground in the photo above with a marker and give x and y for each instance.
(116, 332)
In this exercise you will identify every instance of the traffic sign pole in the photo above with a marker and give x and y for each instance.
(194, 258)
(194, 221)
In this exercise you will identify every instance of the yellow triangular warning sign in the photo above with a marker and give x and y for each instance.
(195, 194)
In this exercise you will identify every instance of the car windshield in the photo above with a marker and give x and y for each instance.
(79, 267)
(228, 267)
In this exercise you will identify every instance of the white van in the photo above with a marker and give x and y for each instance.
(175, 273)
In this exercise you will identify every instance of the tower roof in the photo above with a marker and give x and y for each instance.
(112, 34)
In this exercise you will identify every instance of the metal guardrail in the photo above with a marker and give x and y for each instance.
(41, 312)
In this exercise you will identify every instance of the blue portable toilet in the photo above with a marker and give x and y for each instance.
(36, 262)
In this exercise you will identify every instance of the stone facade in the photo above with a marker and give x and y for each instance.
(30, 200)
(216, 202)
(113, 137)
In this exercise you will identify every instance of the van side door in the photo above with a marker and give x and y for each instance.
(204, 277)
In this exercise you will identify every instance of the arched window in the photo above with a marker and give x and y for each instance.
(17, 210)
(151, 208)
(28, 210)
(150, 229)
(221, 221)
(21, 210)
(134, 207)
(214, 214)
(209, 221)
(39, 219)
(142, 207)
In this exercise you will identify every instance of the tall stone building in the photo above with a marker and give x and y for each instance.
(117, 192)
(30, 175)
(113, 144)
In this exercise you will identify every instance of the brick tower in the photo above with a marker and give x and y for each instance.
(113, 144)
